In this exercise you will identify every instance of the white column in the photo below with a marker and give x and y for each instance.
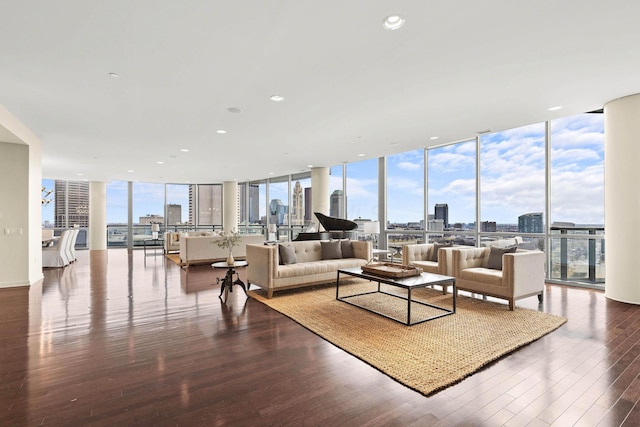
(97, 216)
(319, 192)
(230, 206)
(622, 198)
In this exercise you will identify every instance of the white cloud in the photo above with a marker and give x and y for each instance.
(409, 166)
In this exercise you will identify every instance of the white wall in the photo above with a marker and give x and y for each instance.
(20, 203)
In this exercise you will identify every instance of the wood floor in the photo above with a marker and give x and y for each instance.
(117, 339)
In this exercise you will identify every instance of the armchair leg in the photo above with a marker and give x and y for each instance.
(540, 297)
(512, 304)
(269, 293)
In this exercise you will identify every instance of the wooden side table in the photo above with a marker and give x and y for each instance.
(227, 281)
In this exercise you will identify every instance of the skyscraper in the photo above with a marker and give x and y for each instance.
(278, 211)
(336, 204)
(71, 204)
(297, 205)
(442, 212)
(174, 214)
(308, 214)
(530, 223)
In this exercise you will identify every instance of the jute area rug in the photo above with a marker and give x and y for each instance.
(426, 357)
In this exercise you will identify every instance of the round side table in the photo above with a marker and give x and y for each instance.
(227, 281)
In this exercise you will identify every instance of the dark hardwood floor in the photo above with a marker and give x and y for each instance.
(117, 339)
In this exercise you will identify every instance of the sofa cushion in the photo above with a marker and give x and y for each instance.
(495, 256)
(287, 254)
(436, 248)
(482, 275)
(347, 249)
(331, 249)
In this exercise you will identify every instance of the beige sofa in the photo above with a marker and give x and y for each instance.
(521, 276)
(266, 271)
(421, 254)
(203, 249)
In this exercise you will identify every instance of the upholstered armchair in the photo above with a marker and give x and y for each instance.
(500, 274)
(171, 241)
(431, 257)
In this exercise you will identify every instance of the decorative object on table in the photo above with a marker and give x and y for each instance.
(388, 269)
(229, 240)
(372, 229)
(273, 230)
(155, 228)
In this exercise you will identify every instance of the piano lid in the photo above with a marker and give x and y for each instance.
(331, 223)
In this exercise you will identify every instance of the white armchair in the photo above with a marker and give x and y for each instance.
(521, 276)
(56, 255)
(422, 255)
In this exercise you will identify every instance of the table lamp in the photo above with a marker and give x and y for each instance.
(155, 227)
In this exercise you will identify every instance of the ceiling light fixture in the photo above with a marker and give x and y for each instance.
(160, 162)
(184, 150)
(276, 98)
(114, 74)
(556, 108)
(434, 137)
(393, 22)
(361, 155)
(131, 171)
(221, 131)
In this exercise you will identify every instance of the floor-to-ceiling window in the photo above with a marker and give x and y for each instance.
(405, 198)
(117, 213)
(337, 201)
(362, 190)
(513, 183)
(300, 206)
(577, 198)
(148, 208)
(177, 205)
(210, 205)
(451, 195)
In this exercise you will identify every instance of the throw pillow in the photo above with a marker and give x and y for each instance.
(495, 256)
(347, 249)
(436, 248)
(331, 249)
(287, 254)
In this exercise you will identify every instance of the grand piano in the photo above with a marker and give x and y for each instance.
(335, 228)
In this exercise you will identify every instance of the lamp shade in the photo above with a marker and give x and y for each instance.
(155, 227)
(272, 228)
(372, 227)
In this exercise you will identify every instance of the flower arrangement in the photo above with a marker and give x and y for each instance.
(228, 240)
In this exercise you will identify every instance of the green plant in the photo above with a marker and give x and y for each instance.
(229, 239)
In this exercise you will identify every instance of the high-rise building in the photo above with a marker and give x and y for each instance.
(530, 223)
(336, 204)
(488, 226)
(209, 204)
(174, 214)
(297, 205)
(442, 212)
(71, 207)
(253, 204)
(278, 212)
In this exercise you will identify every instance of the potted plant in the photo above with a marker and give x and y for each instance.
(228, 240)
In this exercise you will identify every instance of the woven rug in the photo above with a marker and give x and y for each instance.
(426, 357)
(173, 257)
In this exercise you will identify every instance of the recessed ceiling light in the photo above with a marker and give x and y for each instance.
(79, 174)
(276, 98)
(309, 166)
(184, 150)
(131, 171)
(434, 137)
(361, 155)
(234, 110)
(114, 74)
(393, 143)
(270, 173)
(221, 131)
(160, 163)
(393, 22)
(556, 108)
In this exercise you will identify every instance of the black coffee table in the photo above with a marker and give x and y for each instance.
(409, 283)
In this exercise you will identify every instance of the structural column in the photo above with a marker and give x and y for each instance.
(97, 216)
(230, 206)
(622, 198)
(319, 191)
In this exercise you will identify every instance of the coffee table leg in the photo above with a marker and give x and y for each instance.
(409, 308)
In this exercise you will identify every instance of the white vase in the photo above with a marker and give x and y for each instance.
(230, 259)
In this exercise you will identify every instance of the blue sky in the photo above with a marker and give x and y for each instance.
(512, 179)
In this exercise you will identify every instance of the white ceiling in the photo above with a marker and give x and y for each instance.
(350, 87)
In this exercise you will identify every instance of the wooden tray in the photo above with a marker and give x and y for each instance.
(388, 269)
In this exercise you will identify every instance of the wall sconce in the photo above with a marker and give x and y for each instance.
(155, 227)
(273, 229)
